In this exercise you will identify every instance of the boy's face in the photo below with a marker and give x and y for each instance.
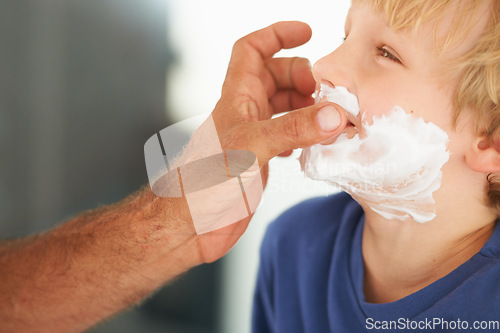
(384, 68)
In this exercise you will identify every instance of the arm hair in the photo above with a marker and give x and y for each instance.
(96, 264)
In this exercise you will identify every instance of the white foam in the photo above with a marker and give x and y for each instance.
(394, 169)
(341, 96)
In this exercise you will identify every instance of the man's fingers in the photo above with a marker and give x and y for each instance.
(250, 51)
(289, 73)
(281, 35)
(288, 100)
(299, 128)
(247, 74)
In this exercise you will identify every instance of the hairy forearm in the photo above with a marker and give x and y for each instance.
(94, 265)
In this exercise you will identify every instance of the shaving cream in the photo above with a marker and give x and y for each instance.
(341, 96)
(394, 168)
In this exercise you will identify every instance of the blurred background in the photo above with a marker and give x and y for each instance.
(84, 84)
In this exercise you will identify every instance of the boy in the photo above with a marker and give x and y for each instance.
(333, 264)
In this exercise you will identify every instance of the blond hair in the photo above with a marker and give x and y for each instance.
(479, 84)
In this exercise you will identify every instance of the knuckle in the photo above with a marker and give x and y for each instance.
(293, 124)
(241, 43)
(238, 43)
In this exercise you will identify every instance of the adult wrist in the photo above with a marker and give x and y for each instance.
(165, 225)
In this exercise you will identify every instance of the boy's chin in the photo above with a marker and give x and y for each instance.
(384, 211)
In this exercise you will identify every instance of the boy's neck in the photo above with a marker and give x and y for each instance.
(402, 257)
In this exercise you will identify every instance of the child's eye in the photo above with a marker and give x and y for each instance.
(387, 54)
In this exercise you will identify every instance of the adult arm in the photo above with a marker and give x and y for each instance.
(105, 260)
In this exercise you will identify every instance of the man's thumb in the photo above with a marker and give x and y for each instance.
(303, 127)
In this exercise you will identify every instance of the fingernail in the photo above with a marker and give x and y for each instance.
(328, 118)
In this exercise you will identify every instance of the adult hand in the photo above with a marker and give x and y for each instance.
(258, 86)
(114, 256)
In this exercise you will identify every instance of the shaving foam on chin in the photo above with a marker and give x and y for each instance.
(394, 169)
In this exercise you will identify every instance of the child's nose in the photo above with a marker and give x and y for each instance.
(336, 69)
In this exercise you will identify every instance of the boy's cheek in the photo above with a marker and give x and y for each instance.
(375, 104)
(462, 138)
(420, 102)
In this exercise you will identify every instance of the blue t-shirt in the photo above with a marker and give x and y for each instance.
(311, 280)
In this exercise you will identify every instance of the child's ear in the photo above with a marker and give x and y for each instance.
(484, 155)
